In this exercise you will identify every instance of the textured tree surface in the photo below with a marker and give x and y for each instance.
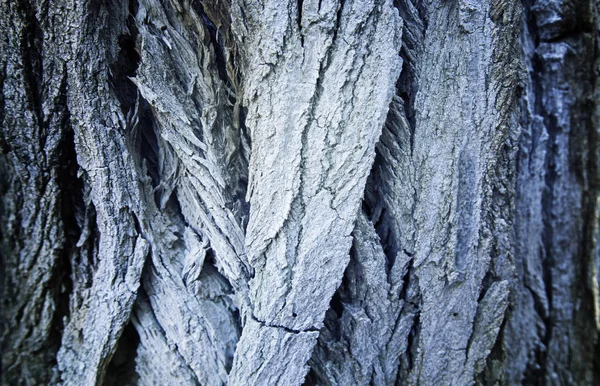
(317, 192)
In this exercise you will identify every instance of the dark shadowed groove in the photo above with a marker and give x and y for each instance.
(597, 364)
(299, 21)
(595, 182)
(375, 205)
(338, 20)
(121, 369)
(120, 366)
(547, 215)
(412, 305)
(141, 120)
(148, 145)
(376, 191)
(535, 371)
(126, 64)
(72, 207)
(4, 188)
(485, 377)
(4, 146)
(216, 39)
(407, 360)
(336, 303)
(311, 379)
(407, 86)
(31, 54)
(377, 212)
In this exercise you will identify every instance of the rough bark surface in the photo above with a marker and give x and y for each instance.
(318, 192)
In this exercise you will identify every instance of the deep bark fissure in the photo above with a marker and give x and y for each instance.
(72, 209)
(407, 86)
(412, 345)
(4, 145)
(127, 63)
(299, 21)
(535, 371)
(32, 56)
(121, 369)
(216, 40)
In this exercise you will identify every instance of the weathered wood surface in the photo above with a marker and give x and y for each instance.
(327, 192)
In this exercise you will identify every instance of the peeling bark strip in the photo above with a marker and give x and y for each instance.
(319, 192)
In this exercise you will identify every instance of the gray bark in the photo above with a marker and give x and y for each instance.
(332, 192)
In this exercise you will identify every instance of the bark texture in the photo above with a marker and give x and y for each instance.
(317, 192)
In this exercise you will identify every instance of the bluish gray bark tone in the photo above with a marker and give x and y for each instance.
(317, 192)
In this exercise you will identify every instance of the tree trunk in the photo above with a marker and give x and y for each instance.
(332, 192)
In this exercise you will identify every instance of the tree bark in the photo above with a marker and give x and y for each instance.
(332, 192)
